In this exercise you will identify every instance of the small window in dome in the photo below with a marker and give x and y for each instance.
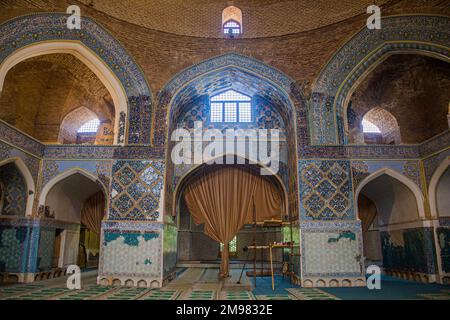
(232, 21)
(90, 126)
(369, 127)
(231, 107)
(232, 28)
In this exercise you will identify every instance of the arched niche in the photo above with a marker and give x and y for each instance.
(66, 193)
(77, 201)
(82, 53)
(397, 198)
(194, 244)
(389, 131)
(28, 179)
(72, 122)
(248, 76)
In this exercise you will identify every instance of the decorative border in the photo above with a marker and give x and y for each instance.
(15, 137)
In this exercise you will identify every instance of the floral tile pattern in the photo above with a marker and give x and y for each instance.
(136, 189)
(325, 190)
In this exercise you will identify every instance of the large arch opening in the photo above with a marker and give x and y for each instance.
(198, 248)
(241, 94)
(392, 96)
(77, 203)
(390, 208)
(46, 88)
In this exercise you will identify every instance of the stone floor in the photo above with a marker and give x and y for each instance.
(202, 284)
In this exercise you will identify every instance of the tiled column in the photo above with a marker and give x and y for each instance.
(331, 239)
(133, 236)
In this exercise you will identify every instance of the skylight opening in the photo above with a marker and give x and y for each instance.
(230, 107)
(369, 127)
(90, 126)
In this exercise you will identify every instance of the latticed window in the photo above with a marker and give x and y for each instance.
(232, 246)
(90, 126)
(232, 21)
(232, 28)
(369, 127)
(231, 107)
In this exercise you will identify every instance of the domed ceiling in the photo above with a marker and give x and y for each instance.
(261, 18)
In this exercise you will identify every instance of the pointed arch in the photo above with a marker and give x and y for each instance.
(413, 187)
(332, 90)
(187, 174)
(274, 78)
(44, 33)
(28, 180)
(72, 122)
(240, 73)
(386, 123)
(434, 182)
(81, 52)
(66, 174)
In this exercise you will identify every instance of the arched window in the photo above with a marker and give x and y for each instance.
(369, 127)
(232, 21)
(231, 107)
(232, 28)
(80, 126)
(380, 127)
(90, 126)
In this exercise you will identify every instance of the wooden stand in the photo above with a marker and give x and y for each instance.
(270, 247)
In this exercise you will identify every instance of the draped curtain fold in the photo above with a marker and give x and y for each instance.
(93, 212)
(225, 200)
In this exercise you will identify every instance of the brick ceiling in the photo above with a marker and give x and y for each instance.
(261, 18)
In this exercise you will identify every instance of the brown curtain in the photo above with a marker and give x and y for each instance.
(222, 199)
(367, 212)
(93, 212)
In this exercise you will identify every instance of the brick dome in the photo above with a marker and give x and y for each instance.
(261, 18)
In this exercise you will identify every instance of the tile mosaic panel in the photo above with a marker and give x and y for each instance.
(362, 169)
(100, 169)
(331, 252)
(13, 242)
(14, 191)
(19, 239)
(444, 244)
(45, 253)
(131, 253)
(325, 190)
(432, 163)
(136, 190)
(14, 137)
(331, 249)
(32, 162)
